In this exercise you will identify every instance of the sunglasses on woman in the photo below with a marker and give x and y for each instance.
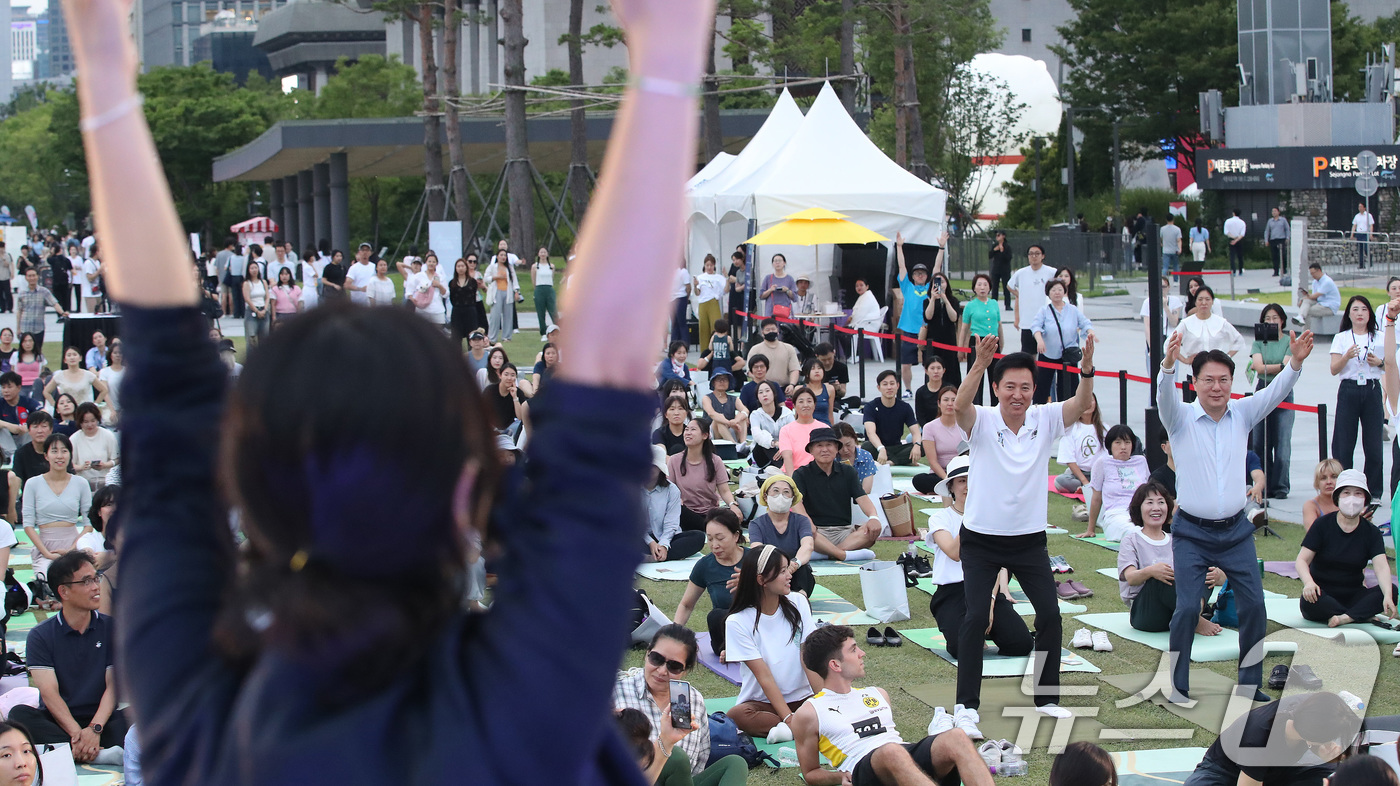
(657, 659)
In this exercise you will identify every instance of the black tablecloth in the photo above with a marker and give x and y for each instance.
(78, 330)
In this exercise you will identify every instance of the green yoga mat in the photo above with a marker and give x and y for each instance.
(1225, 646)
(1156, 767)
(993, 664)
(996, 724)
(1023, 606)
(1210, 694)
(829, 607)
(907, 472)
(831, 567)
(724, 705)
(1113, 574)
(1285, 611)
(1099, 540)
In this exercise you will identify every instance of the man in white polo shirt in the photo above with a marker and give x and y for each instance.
(1009, 448)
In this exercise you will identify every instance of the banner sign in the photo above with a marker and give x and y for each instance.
(1268, 168)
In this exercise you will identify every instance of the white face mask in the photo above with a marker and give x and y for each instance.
(779, 504)
(1351, 506)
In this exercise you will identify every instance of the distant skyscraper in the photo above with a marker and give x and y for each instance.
(167, 30)
(54, 56)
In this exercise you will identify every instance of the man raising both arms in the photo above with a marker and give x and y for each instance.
(1006, 515)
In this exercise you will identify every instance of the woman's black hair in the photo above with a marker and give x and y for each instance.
(1140, 496)
(935, 357)
(312, 492)
(291, 279)
(82, 363)
(9, 726)
(547, 347)
(1364, 770)
(749, 593)
(636, 729)
(1083, 763)
(493, 374)
(1346, 315)
(673, 387)
(1197, 280)
(102, 496)
(728, 519)
(777, 395)
(675, 347)
(1202, 288)
(1121, 432)
(1278, 310)
(87, 408)
(1072, 291)
(707, 449)
(988, 280)
(801, 391)
(253, 263)
(681, 635)
(806, 373)
(68, 396)
(38, 351)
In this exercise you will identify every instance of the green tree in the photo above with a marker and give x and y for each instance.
(372, 86)
(32, 174)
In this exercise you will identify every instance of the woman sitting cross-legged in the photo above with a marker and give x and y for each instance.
(1116, 474)
(671, 433)
(948, 604)
(701, 476)
(1336, 549)
(53, 504)
(730, 417)
(791, 532)
(764, 633)
(664, 539)
(647, 689)
(713, 573)
(767, 422)
(1145, 575)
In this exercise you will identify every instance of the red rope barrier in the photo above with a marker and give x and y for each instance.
(1200, 273)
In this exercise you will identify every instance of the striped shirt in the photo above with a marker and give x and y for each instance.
(30, 305)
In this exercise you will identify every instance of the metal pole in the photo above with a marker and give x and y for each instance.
(860, 357)
(1039, 223)
(1321, 432)
(1123, 395)
(1117, 176)
(1069, 158)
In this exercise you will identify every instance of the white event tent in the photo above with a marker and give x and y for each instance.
(825, 161)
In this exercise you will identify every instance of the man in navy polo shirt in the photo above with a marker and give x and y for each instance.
(14, 413)
(70, 662)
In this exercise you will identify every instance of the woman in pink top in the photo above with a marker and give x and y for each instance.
(701, 477)
(286, 296)
(792, 440)
(29, 362)
(943, 436)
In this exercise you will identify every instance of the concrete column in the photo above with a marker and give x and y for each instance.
(277, 211)
(291, 213)
(340, 201)
(305, 210)
(321, 185)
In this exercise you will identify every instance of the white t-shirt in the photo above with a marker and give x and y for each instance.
(422, 281)
(1080, 444)
(113, 378)
(1006, 482)
(680, 281)
(381, 291)
(1235, 227)
(360, 274)
(91, 267)
(709, 286)
(1357, 368)
(1175, 303)
(946, 570)
(1363, 222)
(544, 275)
(1030, 292)
(775, 645)
(92, 541)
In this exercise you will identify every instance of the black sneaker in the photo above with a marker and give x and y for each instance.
(922, 568)
(1278, 677)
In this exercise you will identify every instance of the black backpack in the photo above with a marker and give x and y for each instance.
(16, 599)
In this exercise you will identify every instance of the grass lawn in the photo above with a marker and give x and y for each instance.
(908, 666)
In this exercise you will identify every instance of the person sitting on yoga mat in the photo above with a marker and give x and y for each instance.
(767, 422)
(764, 633)
(1116, 474)
(1145, 574)
(1335, 551)
(793, 438)
(1270, 744)
(949, 603)
(1079, 448)
(856, 456)
(664, 539)
(671, 655)
(1083, 763)
(886, 418)
(675, 411)
(791, 532)
(367, 651)
(730, 418)
(713, 573)
(701, 476)
(828, 489)
(943, 439)
(854, 728)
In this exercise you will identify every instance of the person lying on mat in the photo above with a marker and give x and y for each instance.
(886, 419)
(1271, 744)
(1145, 575)
(764, 633)
(827, 490)
(701, 476)
(1116, 474)
(671, 655)
(664, 539)
(342, 639)
(949, 603)
(791, 532)
(856, 456)
(1335, 551)
(854, 728)
(714, 573)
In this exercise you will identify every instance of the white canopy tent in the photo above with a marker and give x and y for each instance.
(710, 170)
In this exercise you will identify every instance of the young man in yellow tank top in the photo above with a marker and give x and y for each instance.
(854, 728)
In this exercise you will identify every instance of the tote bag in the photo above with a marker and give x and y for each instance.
(884, 588)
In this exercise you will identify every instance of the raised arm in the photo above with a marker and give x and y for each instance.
(1084, 396)
(1392, 369)
(966, 411)
(899, 255)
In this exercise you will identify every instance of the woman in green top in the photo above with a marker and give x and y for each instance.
(1273, 437)
(725, 536)
(981, 316)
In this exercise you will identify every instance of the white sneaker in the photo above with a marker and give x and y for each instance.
(990, 752)
(1082, 640)
(1397, 651)
(941, 722)
(1101, 642)
(1010, 751)
(110, 756)
(1054, 711)
(967, 720)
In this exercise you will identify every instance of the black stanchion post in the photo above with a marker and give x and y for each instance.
(1122, 396)
(860, 345)
(1321, 432)
(898, 345)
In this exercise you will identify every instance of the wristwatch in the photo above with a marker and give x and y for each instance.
(1086, 373)
(97, 727)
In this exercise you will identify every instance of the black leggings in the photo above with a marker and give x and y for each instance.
(714, 622)
(45, 730)
(685, 544)
(1154, 606)
(1359, 603)
(692, 521)
(1009, 632)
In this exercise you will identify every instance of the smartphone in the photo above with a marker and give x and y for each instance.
(1370, 509)
(680, 704)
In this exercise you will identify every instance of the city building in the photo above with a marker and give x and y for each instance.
(227, 44)
(166, 31)
(24, 48)
(54, 55)
(304, 39)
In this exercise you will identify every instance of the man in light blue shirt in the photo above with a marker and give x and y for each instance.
(1170, 235)
(1209, 439)
(1322, 298)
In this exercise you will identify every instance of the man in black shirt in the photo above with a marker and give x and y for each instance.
(507, 401)
(29, 460)
(738, 280)
(999, 261)
(837, 375)
(333, 277)
(828, 488)
(1270, 744)
(885, 420)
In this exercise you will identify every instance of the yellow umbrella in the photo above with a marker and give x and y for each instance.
(815, 227)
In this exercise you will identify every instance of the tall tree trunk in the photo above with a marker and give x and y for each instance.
(451, 37)
(714, 137)
(918, 163)
(578, 117)
(518, 180)
(848, 55)
(901, 121)
(432, 122)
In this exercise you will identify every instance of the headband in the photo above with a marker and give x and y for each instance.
(765, 555)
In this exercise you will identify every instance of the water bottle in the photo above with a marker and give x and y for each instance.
(1352, 700)
(911, 550)
(1009, 769)
(787, 756)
